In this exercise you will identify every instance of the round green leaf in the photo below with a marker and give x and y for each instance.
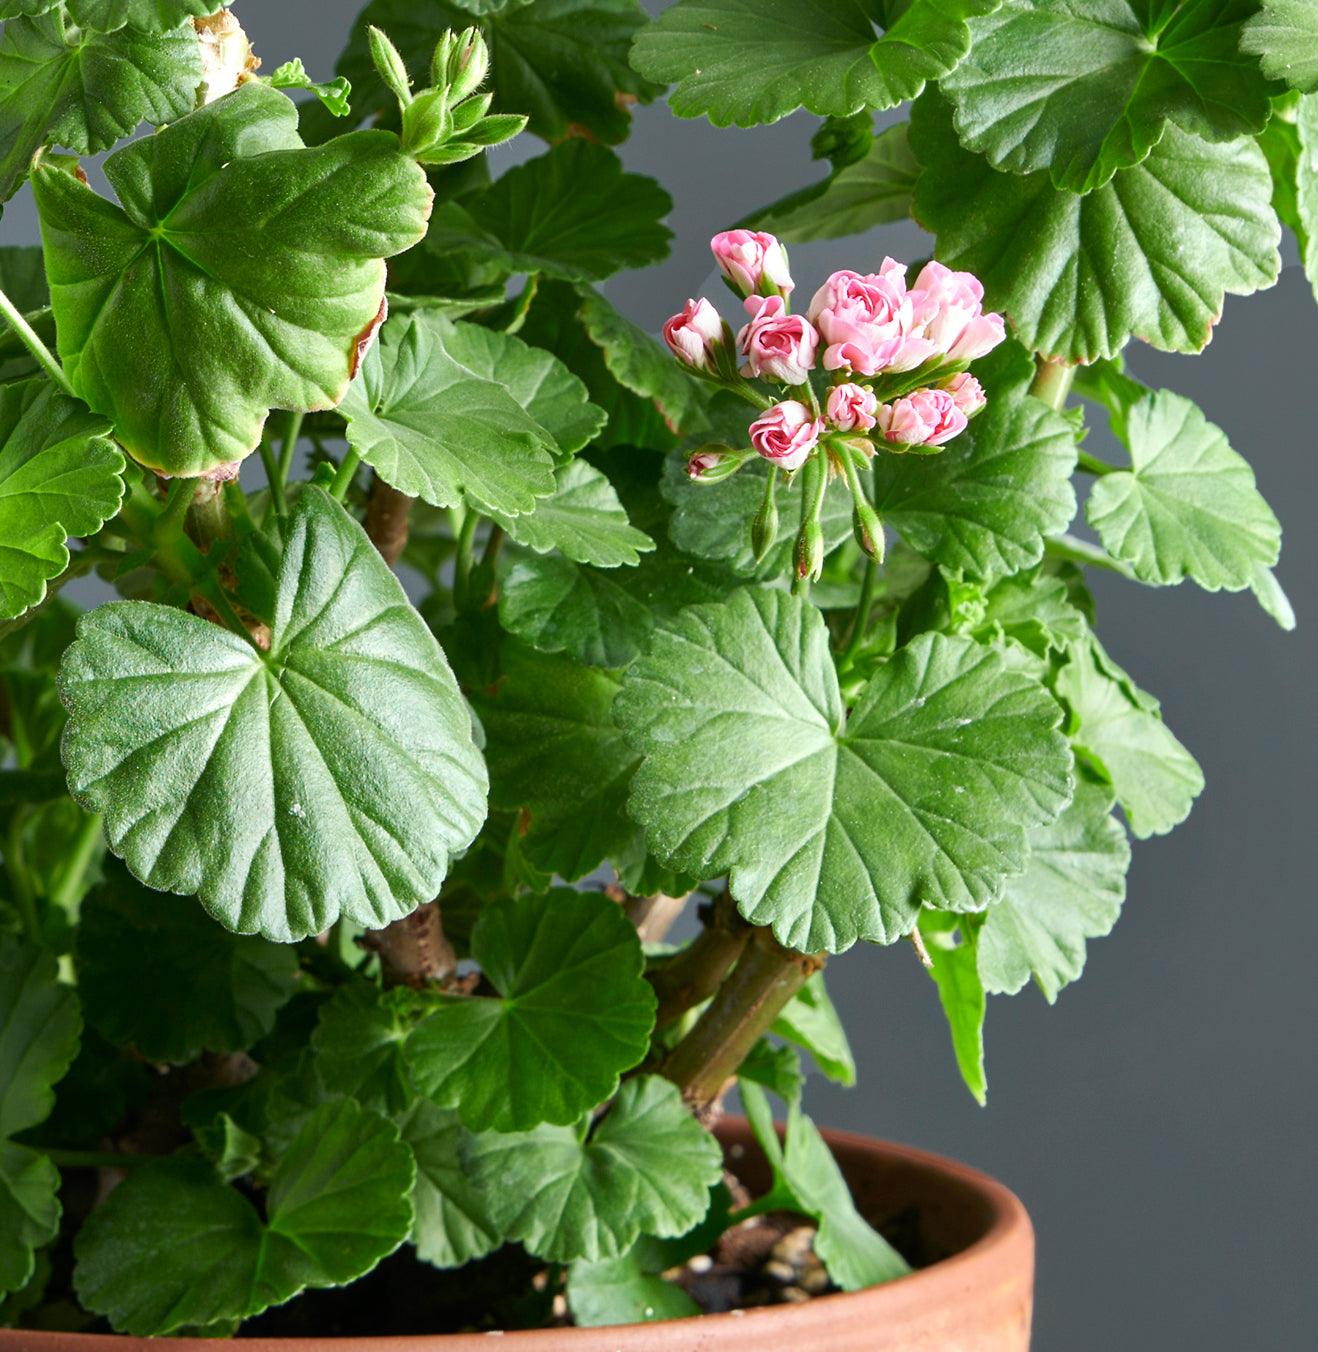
(1284, 35)
(573, 1011)
(148, 16)
(361, 1032)
(987, 502)
(647, 1168)
(175, 1247)
(266, 274)
(834, 829)
(1071, 891)
(1188, 506)
(434, 429)
(90, 93)
(160, 976)
(1083, 90)
(333, 775)
(60, 476)
(1150, 255)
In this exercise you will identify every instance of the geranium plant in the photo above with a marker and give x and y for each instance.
(336, 923)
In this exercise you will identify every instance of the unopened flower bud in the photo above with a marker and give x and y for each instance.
(752, 262)
(810, 550)
(868, 529)
(392, 68)
(427, 121)
(469, 64)
(764, 529)
(695, 334)
(713, 464)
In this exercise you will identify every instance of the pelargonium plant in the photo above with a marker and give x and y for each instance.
(338, 919)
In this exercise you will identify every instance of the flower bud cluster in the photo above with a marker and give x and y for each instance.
(873, 364)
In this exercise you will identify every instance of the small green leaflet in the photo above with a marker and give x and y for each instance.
(572, 213)
(748, 62)
(988, 501)
(1031, 610)
(1117, 730)
(872, 191)
(951, 942)
(562, 62)
(624, 1291)
(452, 1224)
(832, 828)
(573, 1011)
(173, 1247)
(160, 976)
(89, 94)
(1071, 891)
(1284, 35)
(811, 1022)
(646, 1168)
(359, 1042)
(435, 429)
(1083, 90)
(582, 519)
(60, 476)
(808, 1180)
(39, 1031)
(334, 94)
(1188, 506)
(333, 775)
(1150, 255)
(246, 273)
(555, 754)
(148, 16)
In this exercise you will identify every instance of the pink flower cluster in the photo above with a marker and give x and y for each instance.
(876, 334)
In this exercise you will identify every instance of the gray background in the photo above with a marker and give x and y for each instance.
(1159, 1120)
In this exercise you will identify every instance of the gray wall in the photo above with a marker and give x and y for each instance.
(1159, 1121)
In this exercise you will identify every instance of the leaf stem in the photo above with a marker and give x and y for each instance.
(292, 432)
(465, 558)
(80, 855)
(20, 882)
(1052, 382)
(1091, 464)
(860, 625)
(273, 481)
(1075, 550)
(44, 357)
(346, 473)
(766, 977)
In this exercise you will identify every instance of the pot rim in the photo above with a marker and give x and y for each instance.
(1005, 1246)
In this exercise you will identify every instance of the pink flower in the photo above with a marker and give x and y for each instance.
(864, 319)
(948, 318)
(694, 335)
(752, 261)
(851, 408)
(980, 336)
(786, 434)
(925, 418)
(967, 393)
(775, 344)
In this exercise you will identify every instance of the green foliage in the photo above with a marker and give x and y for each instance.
(1284, 34)
(148, 16)
(952, 942)
(268, 274)
(333, 774)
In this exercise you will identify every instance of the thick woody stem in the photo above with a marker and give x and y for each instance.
(766, 977)
(387, 515)
(654, 916)
(690, 977)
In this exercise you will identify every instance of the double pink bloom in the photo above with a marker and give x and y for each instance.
(776, 345)
(786, 434)
(753, 262)
(932, 417)
(695, 335)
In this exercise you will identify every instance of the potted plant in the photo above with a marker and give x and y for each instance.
(338, 993)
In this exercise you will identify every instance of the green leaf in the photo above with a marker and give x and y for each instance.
(1071, 891)
(583, 519)
(89, 93)
(1269, 594)
(149, 16)
(988, 501)
(775, 1066)
(60, 476)
(265, 276)
(39, 1031)
(622, 1291)
(951, 942)
(572, 213)
(1150, 255)
(753, 61)
(536, 379)
(453, 1224)
(646, 1168)
(158, 975)
(1304, 183)
(1117, 730)
(1284, 35)
(561, 62)
(1032, 610)
(811, 1022)
(1084, 90)
(359, 1044)
(872, 191)
(556, 756)
(174, 1247)
(573, 1011)
(333, 775)
(1188, 506)
(435, 429)
(832, 828)
(713, 521)
(23, 275)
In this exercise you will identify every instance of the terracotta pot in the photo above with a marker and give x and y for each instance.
(976, 1299)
